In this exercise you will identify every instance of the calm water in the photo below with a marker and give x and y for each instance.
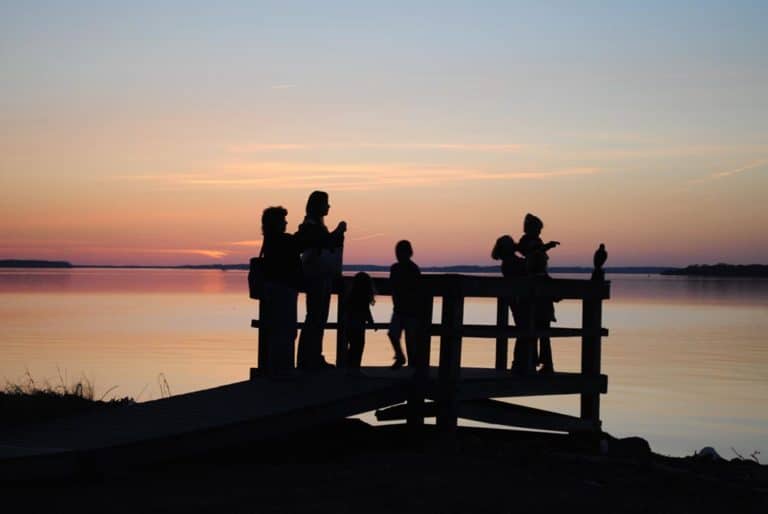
(687, 359)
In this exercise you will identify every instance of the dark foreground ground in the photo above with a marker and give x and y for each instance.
(353, 467)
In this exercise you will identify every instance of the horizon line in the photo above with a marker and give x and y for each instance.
(355, 265)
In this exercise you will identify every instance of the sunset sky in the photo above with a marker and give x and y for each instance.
(140, 133)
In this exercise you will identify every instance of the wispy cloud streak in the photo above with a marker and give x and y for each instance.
(367, 237)
(214, 254)
(253, 243)
(267, 147)
(729, 173)
(464, 147)
(736, 171)
(96, 249)
(459, 147)
(296, 175)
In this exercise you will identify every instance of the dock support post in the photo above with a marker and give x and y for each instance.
(502, 341)
(427, 347)
(591, 323)
(418, 390)
(262, 344)
(450, 356)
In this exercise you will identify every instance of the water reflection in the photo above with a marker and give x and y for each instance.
(689, 290)
(648, 288)
(686, 358)
(114, 280)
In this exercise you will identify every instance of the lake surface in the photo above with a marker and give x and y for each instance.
(686, 359)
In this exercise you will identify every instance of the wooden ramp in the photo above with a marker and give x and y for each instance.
(207, 419)
(262, 408)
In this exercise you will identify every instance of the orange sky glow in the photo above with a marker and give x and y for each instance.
(159, 140)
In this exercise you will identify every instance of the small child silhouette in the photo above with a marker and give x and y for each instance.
(544, 313)
(531, 240)
(359, 301)
(406, 298)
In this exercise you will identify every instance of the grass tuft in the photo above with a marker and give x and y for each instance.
(30, 401)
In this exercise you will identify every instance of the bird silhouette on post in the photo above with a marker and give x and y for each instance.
(598, 273)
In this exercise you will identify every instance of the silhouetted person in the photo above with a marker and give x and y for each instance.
(598, 273)
(514, 266)
(282, 277)
(544, 313)
(321, 258)
(505, 250)
(358, 313)
(525, 355)
(531, 240)
(407, 303)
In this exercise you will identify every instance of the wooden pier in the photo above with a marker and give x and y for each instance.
(263, 407)
(448, 391)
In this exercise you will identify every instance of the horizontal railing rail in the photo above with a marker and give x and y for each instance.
(476, 331)
(494, 287)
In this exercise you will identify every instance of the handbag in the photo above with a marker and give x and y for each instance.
(256, 276)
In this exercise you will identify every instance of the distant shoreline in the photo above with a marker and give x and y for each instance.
(459, 268)
(717, 270)
(722, 270)
(26, 263)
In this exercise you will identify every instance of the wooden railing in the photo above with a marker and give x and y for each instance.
(451, 329)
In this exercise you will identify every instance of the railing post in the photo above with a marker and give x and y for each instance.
(341, 338)
(418, 388)
(262, 344)
(502, 341)
(450, 356)
(591, 323)
(426, 356)
(532, 341)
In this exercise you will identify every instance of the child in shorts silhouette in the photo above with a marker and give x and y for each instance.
(407, 305)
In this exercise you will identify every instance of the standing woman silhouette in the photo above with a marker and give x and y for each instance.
(282, 277)
(321, 256)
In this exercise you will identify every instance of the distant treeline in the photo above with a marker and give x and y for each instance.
(19, 263)
(721, 270)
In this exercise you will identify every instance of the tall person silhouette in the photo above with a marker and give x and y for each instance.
(282, 277)
(321, 260)
(534, 250)
(513, 266)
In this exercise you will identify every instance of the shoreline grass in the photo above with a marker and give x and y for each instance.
(30, 401)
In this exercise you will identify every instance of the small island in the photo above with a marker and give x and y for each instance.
(721, 270)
